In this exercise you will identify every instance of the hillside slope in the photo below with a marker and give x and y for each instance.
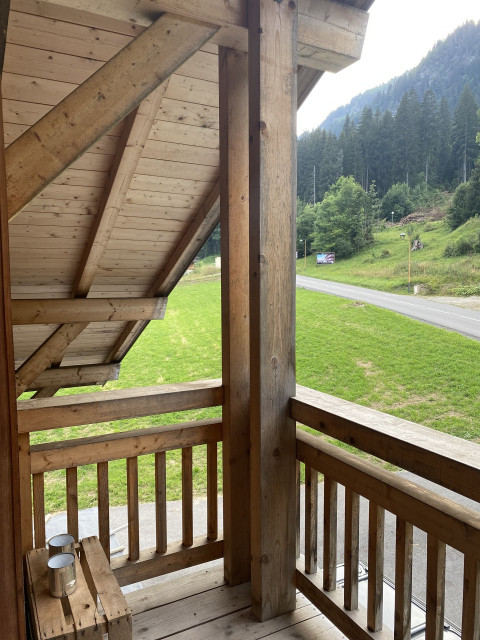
(445, 70)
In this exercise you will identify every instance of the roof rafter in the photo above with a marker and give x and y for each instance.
(46, 353)
(137, 127)
(38, 156)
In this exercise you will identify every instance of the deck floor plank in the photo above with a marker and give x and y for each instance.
(201, 606)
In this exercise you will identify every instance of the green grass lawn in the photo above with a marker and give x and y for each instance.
(384, 265)
(355, 351)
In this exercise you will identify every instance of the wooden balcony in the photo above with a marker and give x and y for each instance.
(202, 605)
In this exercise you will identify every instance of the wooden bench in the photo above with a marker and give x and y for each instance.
(82, 614)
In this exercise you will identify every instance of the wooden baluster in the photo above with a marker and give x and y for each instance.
(161, 501)
(25, 477)
(187, 497)
(435, 588)
(311, 519)
(39, 509)
(297, 474)
(132, 502)
(330, 535)
(376, 529)
(352, 513)
(212, 492)
(403, 580)
(103, 507)
(471, 599)
(72, 501)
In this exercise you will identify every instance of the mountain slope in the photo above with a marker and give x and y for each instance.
(445, 70)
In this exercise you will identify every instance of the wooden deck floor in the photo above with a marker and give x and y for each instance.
(201, 606)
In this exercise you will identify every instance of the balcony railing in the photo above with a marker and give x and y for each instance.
(444, 459)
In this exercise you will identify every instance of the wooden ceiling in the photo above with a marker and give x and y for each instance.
(110, 111)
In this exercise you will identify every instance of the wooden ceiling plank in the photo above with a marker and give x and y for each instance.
(199, 230)
(63, 377)
(47, 353)
(70, 128)
(137, 128)
(56, 311)
(334, 30)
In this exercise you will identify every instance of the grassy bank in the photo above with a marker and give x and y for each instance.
(351, 350)
(384, 265)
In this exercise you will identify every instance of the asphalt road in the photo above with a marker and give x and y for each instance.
(464, 321)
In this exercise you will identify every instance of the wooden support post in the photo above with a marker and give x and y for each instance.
(403, 580)
(233, 76)
(436, 555)
(376, 535)
(351, 553)
(12, 612)
(471, 599)
(311, 519)
(272, 119)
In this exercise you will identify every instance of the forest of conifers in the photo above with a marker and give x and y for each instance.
(419, 127)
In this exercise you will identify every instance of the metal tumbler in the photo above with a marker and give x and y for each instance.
(62, 543)
(61, 574)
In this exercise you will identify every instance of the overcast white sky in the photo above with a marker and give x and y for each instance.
(399, 35)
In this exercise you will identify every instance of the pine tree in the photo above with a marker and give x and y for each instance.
(444, 153)
(429, 139)
(465, 127)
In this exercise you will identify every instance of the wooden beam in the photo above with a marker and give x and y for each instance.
(12, 611)
(79, 376)
(272, 194)
(151, 564)
(62, 311)
(102, 406)
(439, 457)
(4, 12)
(117, 446)
(330, 34)
(233, 76)
(199, 229)
(46, 353)
(137, 127)
(54, 142)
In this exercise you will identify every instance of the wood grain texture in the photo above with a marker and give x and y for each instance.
(25, 477)
(63, 377)
(440, 457)
(161, 502)
(47, 353)
(272, 195)
(38, 484)
(233, 78)
(435, 594)
(187, 497)
(351, 553)
(102, 406)
(103, 499)
(471, 599)
(57, 311)
(151, 564)
(132, 509)
(212, 492)
(311, 519)
(12, 611)
(330, 493)
(116, 446)
(53, 143)
(460, 526)
(72, 501)
(403, 580)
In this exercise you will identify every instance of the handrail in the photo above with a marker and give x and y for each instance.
(99, 450)
(104, 406)
(445, 523)
(445, 459)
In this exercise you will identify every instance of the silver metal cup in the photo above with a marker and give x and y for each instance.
(62, 543)
(61, 574)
